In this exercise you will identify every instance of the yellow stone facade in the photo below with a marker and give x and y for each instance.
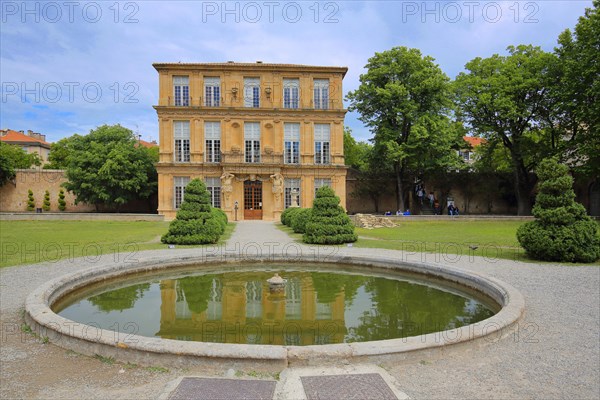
(260, 114)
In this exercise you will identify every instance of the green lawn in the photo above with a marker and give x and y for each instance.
(29, 242)
(493, 238)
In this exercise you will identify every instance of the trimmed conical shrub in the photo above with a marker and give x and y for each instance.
(562, 231)
(195, 222)
(30, 201)
(46, 205)
(328, 222)
(62, 204)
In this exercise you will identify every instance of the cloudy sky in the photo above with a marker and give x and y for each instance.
(69, 66)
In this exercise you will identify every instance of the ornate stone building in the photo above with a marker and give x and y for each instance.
(261, 136)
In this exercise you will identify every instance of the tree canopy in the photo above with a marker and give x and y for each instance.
(107, 166)
(504, 99)
(12, 158)
(404, 99)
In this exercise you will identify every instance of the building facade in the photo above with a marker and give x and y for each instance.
(31, 142)
(263, 137)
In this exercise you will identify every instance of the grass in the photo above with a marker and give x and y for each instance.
(30, 242)
(448, 238)
(492, 238)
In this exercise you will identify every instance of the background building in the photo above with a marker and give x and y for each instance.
(31, 142)
(259, 135)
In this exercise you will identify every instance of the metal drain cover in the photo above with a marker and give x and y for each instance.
(223, 389)
(348, 387)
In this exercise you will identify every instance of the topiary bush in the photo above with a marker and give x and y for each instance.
(30, 201)
(221, 217)
(286, 216)
(561, 231)
(195, 222)
(299, 219)
(328, 222)
(46, 205)
(62, 204)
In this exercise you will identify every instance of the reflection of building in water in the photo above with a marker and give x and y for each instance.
(234, 310)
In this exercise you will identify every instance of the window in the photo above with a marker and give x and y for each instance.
(214, 310)
(465, 155)
(290, 185)
(179, 183)
(252, 92)
(291, 93)
(213, 185)
(322, 137)
(252, 142)
(254, 299)
(291, 137)
(212, 140)
(181, 134)
(320, 182)
(181, 90)
(212, 92)
(321, 94)
(293, 299)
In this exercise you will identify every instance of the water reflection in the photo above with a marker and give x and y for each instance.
(314, 308)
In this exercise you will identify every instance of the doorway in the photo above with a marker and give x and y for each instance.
(253, 200)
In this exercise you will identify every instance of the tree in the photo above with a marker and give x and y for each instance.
(505, 99)
(107, 166)
(13, 157)
(561, 231)
(61, 151)
(577, 91)
(194, 223)
(403, 99)
(328, 222)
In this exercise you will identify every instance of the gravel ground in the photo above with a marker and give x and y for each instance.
(553, 353)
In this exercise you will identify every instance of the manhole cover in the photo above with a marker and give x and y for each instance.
(355, 386)
(223, 389)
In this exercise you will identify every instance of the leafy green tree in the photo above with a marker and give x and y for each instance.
(328, 222)
(577, 91)
(562, 231)
(404, 99)
(194, 223)
(107, 166)
(119, 299)
(13, 157)
(46, 205)
(62, 204)
(61, 151)
(505, 99)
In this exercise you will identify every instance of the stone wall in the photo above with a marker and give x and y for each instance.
(13, 194)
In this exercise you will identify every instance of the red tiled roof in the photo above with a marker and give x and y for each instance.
(148, 144)
(18, 137)
(474, 141)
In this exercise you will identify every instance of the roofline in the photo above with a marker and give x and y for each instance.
(247, 66)
(27, 143)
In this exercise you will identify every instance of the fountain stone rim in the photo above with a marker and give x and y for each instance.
(89, 340)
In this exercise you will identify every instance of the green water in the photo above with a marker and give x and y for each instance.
(237, 306)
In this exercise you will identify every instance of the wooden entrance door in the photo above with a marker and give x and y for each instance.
(253, 200)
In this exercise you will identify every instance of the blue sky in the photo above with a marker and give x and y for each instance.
(67, 67)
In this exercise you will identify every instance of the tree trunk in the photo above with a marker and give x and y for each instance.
(399, 188)
(522, 187)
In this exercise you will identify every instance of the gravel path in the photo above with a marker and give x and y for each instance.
(554, 353)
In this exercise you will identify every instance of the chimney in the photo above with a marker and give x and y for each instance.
(23, 132)
(29, 132)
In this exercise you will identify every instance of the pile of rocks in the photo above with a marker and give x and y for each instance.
(371, 221)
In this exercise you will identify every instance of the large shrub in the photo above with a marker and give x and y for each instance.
(195, 222)
(299, 219)
(328, 222)
(561, 231)
(221, 217)
(286, 216)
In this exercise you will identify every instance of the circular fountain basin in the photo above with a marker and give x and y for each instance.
(186, 312)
